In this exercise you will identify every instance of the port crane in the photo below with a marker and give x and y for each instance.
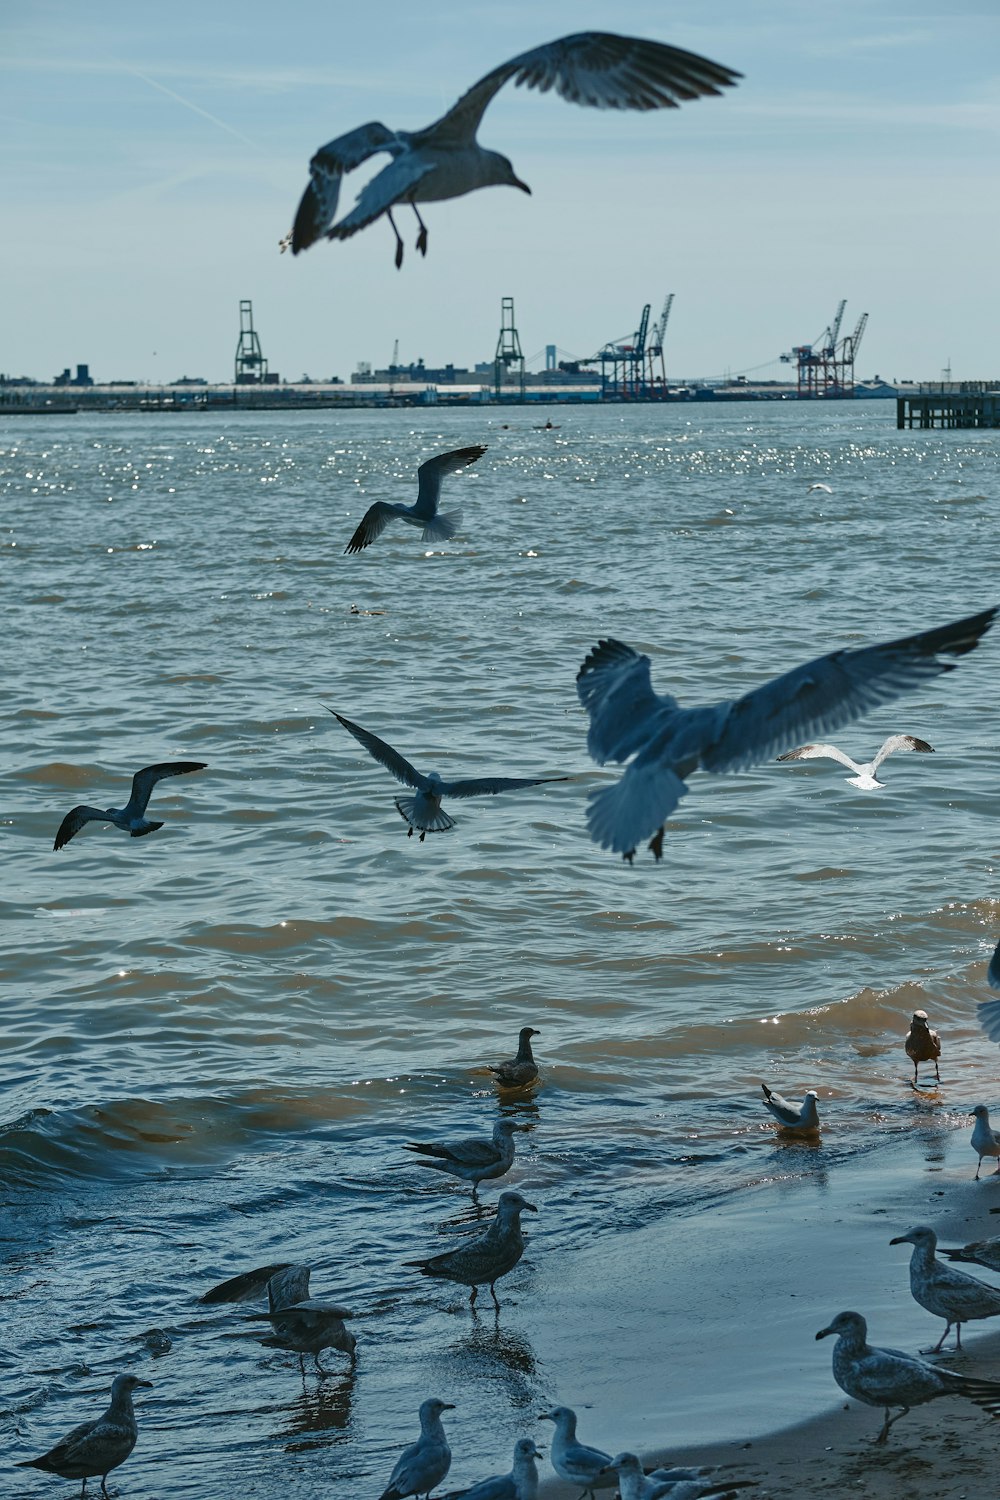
(826, 367)
(628, 365)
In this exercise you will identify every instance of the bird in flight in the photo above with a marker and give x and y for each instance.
(424, 512)
(424, 811)
(664, 743)
(444, 160)
(866, 776)
(132, 817)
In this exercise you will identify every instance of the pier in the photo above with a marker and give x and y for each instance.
(969, 403)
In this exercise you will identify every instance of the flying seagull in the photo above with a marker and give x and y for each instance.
(473, 1160)
(424, 1463)
(801, 1117)
(517, 1072)
(445, 160)
(664, 743)
(424, 512)
(943, 1291)
(424, 811)
(867, 775)
(922, 1044)
(132, 817)
(98, 1446)
(989, 1011)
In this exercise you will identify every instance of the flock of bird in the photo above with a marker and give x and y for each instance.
(660, 744)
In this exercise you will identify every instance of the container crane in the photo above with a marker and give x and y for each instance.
(654, 349)
(826, 367)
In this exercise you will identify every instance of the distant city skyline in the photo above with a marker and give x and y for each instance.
(151, 161)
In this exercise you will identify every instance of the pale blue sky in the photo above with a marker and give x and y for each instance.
(151, 158)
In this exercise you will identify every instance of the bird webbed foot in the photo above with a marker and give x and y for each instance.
(656, 844)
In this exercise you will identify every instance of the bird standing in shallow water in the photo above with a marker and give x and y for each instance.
(985, 1140)
(423, 512)
(483, 1260)
(132, 816)
(521, 1070)
(444, 160)
(99, 1446)
(922, 1044)
(472, 1160)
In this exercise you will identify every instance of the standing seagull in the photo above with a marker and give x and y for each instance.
(664, 743)
(866, 776)
(445, 160)
(943, 1291)
(888, 1377)
(483, 1260)
(922, 1044)
(573, 1460)
(99, 1446)
(132, 817)
(521, 1070)
(985, 1140)
(424, 1463)
(424, 511)
(801, 1117)
(472, 1160)
(424, 811)
(520, 1484)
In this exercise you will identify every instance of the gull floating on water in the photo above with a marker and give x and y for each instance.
(483, 1260)
(665, 743)
(670, 1484)
(922, 1044)
(943, 1291)
(131, 817)
(98, 1446)
(866, 778)
(989, 1010)
(802, 1117)
(424, 1463)
(980, 1253)
(520, 1484)
(473, 1160)
(518, 1071)
(444, 160)
(985, 1140)
(888, 1377)
(573, 1460)
(424, 511)
(424, 811)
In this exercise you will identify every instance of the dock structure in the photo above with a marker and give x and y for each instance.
(967, 403)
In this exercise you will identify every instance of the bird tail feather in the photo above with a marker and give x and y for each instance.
(441, 528)
(620, 817)
(438, 822)
(985, 1393)
(137, 833)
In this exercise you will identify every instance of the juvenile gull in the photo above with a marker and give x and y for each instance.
(132, 816)
(989, 1011)
(424, 811)
(888, 1377)
(520, 1484)
(444, 160)
(473, 1160)
(483, 1260)
(980, 1252)
(424, 1463)
(802, 1117)
(251, 1284)
(866, 775)
(518, 1071)
(942, 1290)
(424, 511)
(304, 1324)
(98, 1446)
(985, 1140)
(573, 1460)
(670, 1484)
(665, 743)
(922, 1044)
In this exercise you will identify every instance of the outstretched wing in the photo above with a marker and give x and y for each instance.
(834, 690)
(393, 183)
(384, 754)
(144, 781)
(245, 1286)
(488, 786)
(900, 742)
(595, 68)
(431, 473)
(614, 687)
(821, 752)
(318, 206)
(372, 524)
(988, 1014)
(74, 821)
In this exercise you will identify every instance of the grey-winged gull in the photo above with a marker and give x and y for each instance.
(424, 511)
(301, 1323)
(801, 1117)
(575, 1461)
(985, 1140)
(424, 812)
(444, 160)
(988, 1013)
(96, 1447)
(665, 743)
(426, 1462)
(888, 1377)
(520, 1484)
(132, 816)
(922, 1044)
(483, 1260)
(979, 1252)
(473, 1160)
(522, 1069)
(866, 774)
(670, 1484)
(943, 1291)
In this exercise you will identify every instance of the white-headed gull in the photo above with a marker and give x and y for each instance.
(575, 1461)
(946, 1293)
(96, 1447)
(922, 1044)
(444, 160)
(664, 743)
(866, 776)
(424, 1463)
(131, 817)
(424, 512)
(472, 1160)
(789, 1116)
(520, 1484)
(985, 1140)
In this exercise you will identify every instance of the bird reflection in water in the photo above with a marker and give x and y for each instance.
(324, 1406)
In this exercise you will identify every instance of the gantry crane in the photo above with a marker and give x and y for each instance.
(826, 367)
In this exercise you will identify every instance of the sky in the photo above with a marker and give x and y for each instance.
(152, 158)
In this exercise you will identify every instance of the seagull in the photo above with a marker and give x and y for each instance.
(472, 1160)
(801, 1117)
(888, 1377)
(574, 1461)
(665, 743)
(98, 1446)
(424, 811)
(985, 1139)
(518, 1071)
(980, 1253)
(669, 1484)
(823, 488)
(867, 778)
(922, 1044)
(483, 1260)
(424, 1463)
(131, 817)
(424, 511)
(946, 1293)
(989, 1010)
(520, 1484)
(444, 160)
(304, 1324)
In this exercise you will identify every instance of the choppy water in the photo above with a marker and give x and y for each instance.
(216, 1039)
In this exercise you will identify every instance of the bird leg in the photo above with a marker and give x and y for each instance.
(409, 833)
(883, 1435)
(978, 1167)
(422, 236)
(423, 834)
(656, 844)
(472, 1299)
(493, 1294)
(947, 1329)
(399, 239)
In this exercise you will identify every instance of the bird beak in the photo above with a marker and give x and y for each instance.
(901, 1239)
(545, 1416)
(534, 1210)
(447, 1406)
(522, 185)
(823, 1333)
(147, 1383)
